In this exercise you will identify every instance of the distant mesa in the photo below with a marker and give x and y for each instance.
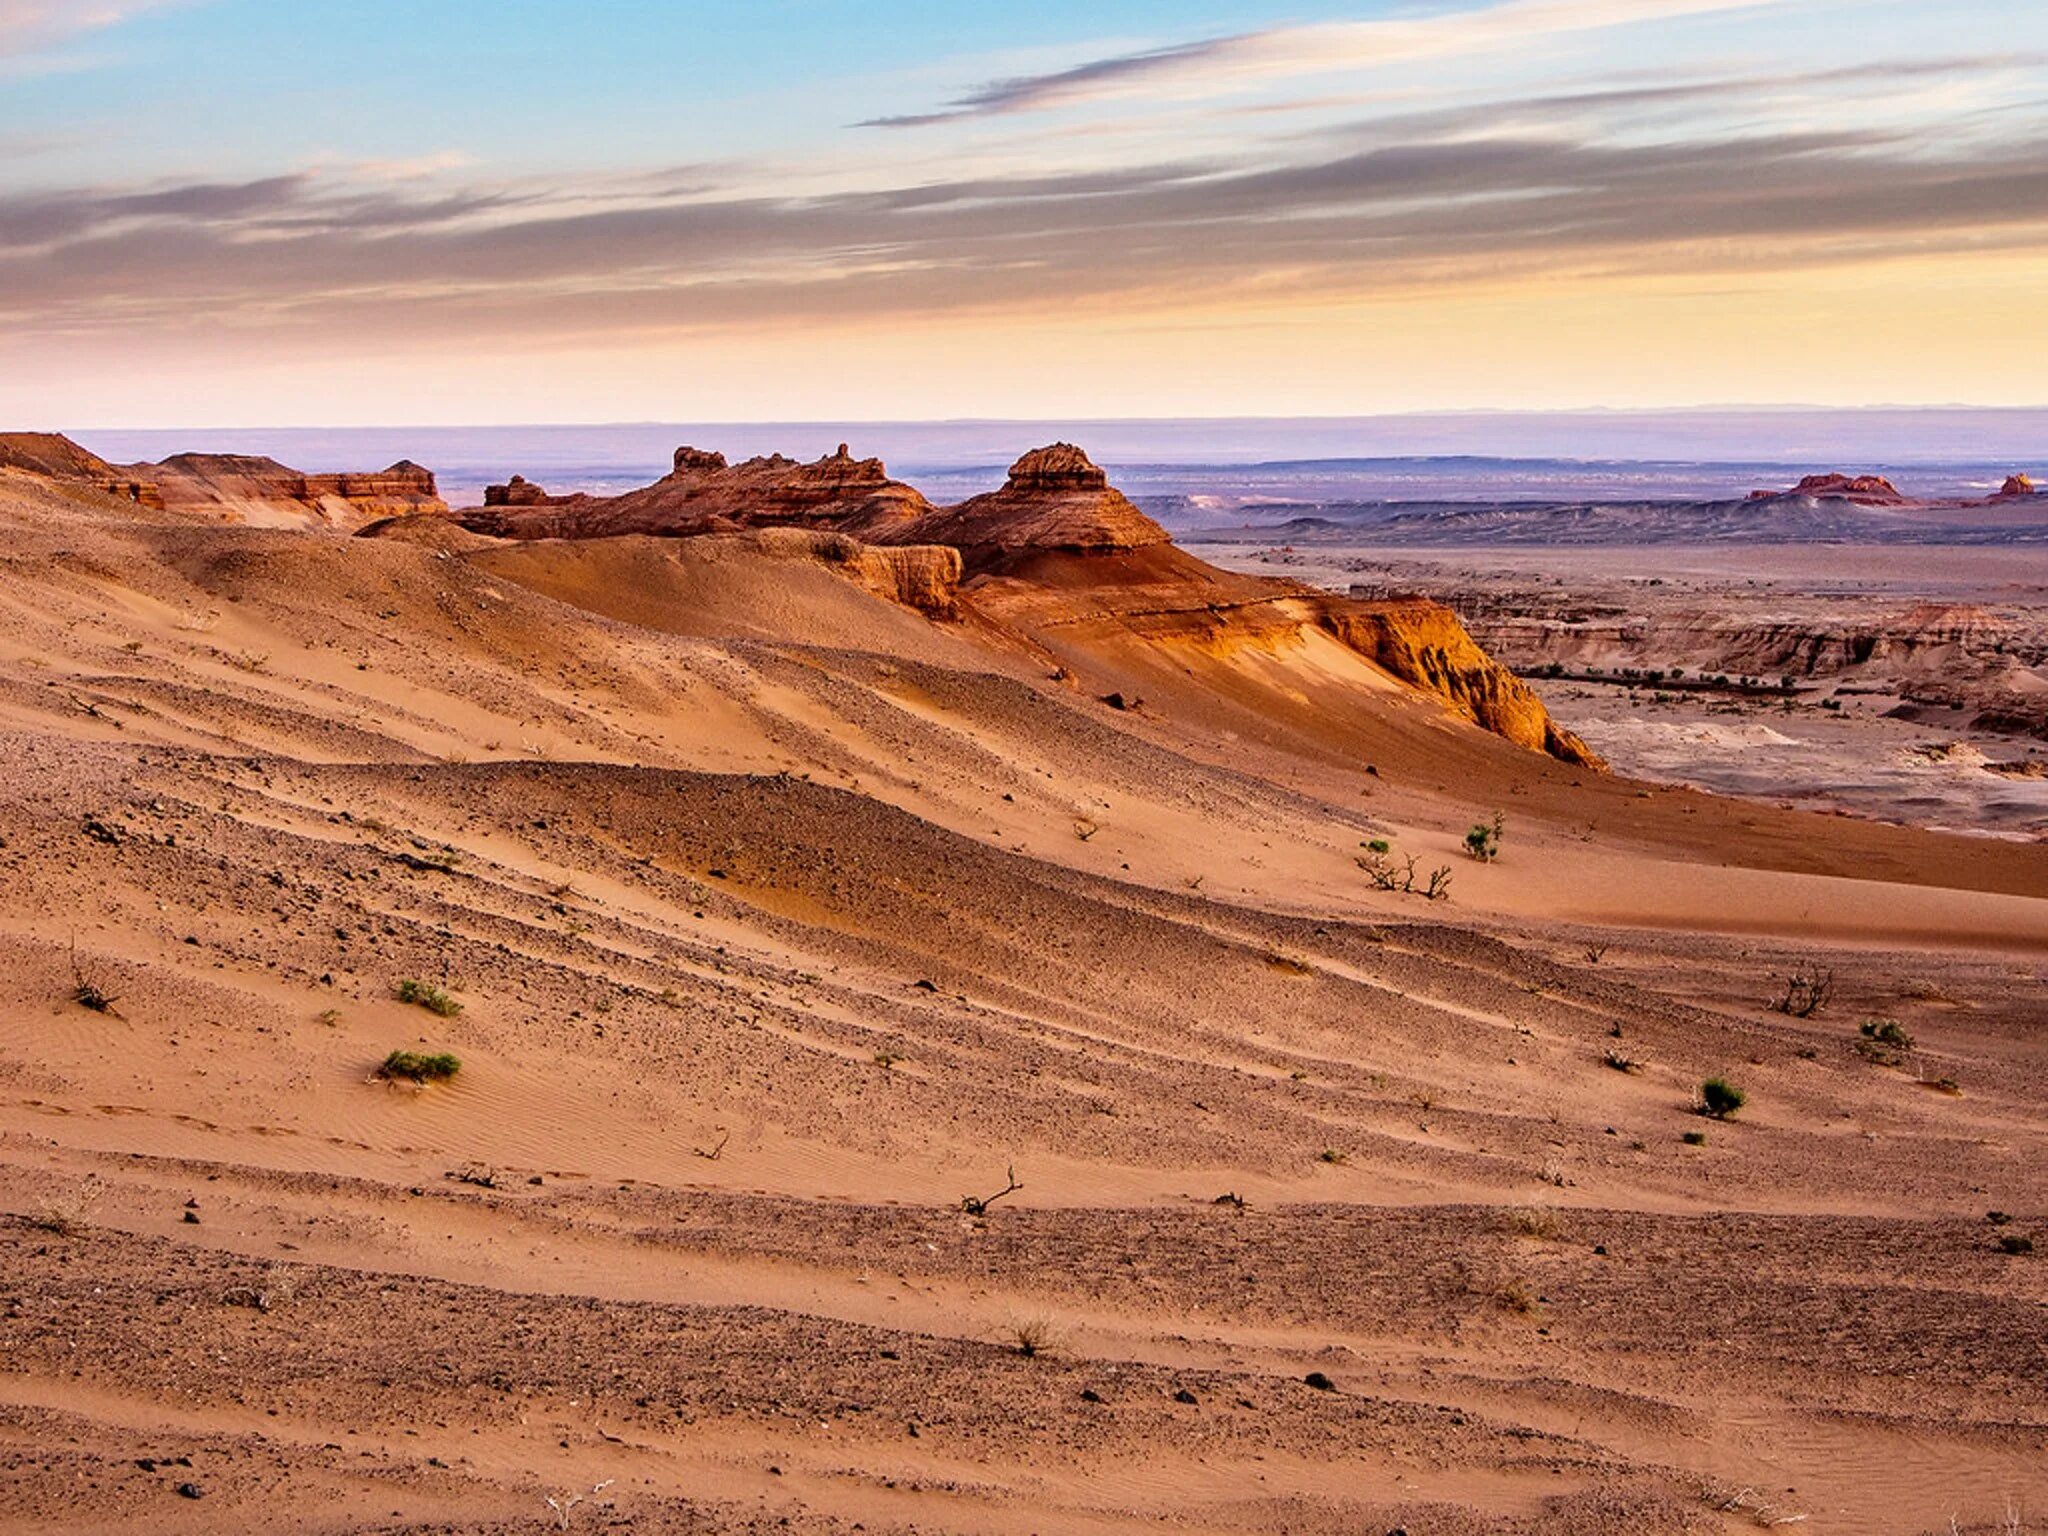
(1865, 490)
(230, 487)
(2017, 486)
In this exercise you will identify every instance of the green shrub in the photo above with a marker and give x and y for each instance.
(1887, 1032)
(1483, 841)
(1694, 1138)
(1721, 1098)
(426, 995)
(419, 1066)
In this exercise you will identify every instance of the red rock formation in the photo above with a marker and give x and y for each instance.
(921, 576)
(249, 488)
(2016, 486)
(517, 492)
(1423, 643)
(53, 456)
(1054, 499)
(1865, 490)
(1057, 549)
(838, 493)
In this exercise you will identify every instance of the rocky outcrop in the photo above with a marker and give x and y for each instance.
(1056, 549)
(704, 494)
(1423, 644)
(1054, 499)
(1864, 490)
(517, 492)
(248, 488)
(2017, 486)
(53, 456)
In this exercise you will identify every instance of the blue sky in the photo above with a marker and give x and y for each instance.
(308, 210)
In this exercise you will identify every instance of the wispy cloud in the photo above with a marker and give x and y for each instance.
(320, 255)
(1247, 58)
(28, 26)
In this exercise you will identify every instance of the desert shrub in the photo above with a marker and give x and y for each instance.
(1482, 842)
(88, 991)
(1534, 1221)
(977, 1205)
(1721, 1098)
(1517, 1295)
(419, 1066)
(1385, 875)
(1033, 1336)
(2013, 1243)
(1621, 1063)
(1887, 1032)
(1380, 845)
(1805, 993)
(1333, 1156)
(424, 994)
(1694, 1138)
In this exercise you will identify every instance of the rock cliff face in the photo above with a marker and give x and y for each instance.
(1054, 499)
(921, 576)
(1864, 490)
(1422, 643)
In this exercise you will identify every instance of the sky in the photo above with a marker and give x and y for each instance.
(291, 212)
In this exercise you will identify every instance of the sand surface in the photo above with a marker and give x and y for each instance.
(781, 918)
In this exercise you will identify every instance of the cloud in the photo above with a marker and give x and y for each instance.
(1246, 58)
(317, 257)
(28, 26)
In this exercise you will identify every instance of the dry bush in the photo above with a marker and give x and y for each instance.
(1033, 1334)
(1805, 992)
(1517, 1295)
(67, 1214)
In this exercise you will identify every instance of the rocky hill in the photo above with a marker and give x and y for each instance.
(230, 487)
(1057, 558)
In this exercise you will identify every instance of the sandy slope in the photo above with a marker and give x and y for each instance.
(782, 917)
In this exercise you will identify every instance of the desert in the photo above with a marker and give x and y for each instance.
(951, 1033)
(1246, 767)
